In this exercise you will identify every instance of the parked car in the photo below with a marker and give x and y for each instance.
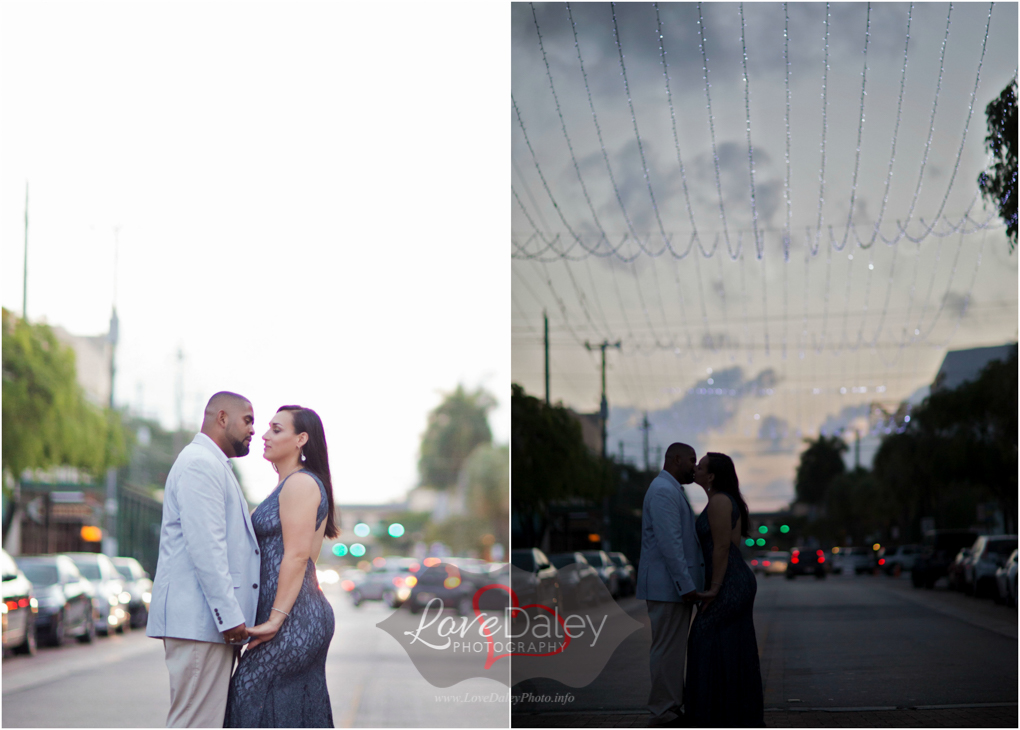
(19, 609)
(956, 570)
(774, 562)
(901, 557)
(110, 598)
(456, 585)
(858, 559)
(139, 586)
(607, 571)
(1005, 580)
(806, 561)
(64, 596)
(390, 582)
(627, 573)
(580, 584)
(987, 554)
(539, 581)
(939, 549)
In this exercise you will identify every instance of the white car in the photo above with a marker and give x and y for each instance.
(987, 555)
(903, 556)
(1005, 577)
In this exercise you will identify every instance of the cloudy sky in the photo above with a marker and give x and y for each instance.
(775, 250)
(306, 197)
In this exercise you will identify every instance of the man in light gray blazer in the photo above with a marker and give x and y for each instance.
(206, 588)
(671, 568)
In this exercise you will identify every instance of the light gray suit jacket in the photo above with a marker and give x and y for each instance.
(207, 577)
(671, 562)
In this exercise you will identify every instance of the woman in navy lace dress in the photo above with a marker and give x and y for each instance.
(723, 687)
(280, 680)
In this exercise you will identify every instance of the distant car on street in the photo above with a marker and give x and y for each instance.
(64, 597)
(939, 550)
(987, 554)
(138, 586)
(580, 584)
(541, 580)
(19, 609)
(607, 571)
(1005, 579)
(627, 574)
(806, 561)
(457, 583)
(858, 559)
(901, 557)
(110, 598)
(390, 581)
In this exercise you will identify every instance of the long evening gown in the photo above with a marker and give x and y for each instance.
(282, 683)
(723, 687)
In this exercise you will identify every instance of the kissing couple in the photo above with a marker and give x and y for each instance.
(227, 580)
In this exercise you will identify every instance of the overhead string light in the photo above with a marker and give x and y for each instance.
(860, 131)
(748, 343)
(786, 181)
(825, 129)
(759, 243)
(711, 129)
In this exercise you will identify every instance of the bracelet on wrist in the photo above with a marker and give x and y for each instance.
(274, 608)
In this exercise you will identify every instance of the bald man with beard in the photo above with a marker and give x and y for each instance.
(206, 587)
(670, 571)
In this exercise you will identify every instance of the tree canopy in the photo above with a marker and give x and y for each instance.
(820, 463)
(47, 421)
(455, 427)
(999, 182)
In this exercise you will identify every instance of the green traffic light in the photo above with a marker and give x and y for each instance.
(760, 541)
(396, 529)
(339, 549)
(362, 530)
(749, 542)
(357, 549)
(763, 529)
(784, 529)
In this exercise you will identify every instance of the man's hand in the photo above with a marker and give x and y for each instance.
(690, 597)
(236, 635)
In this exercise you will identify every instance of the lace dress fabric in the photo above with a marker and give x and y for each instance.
(282, 683)
(723, 687)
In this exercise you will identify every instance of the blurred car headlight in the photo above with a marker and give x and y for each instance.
(125, 597)
(33, 602)
(114, 599)
(147, 597)
(403, 593)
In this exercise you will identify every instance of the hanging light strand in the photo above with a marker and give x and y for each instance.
(860, 131)
(825, 129)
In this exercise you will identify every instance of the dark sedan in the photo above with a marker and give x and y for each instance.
(64, 596)
(806, 561)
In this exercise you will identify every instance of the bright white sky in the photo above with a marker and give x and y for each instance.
(307, 202)
(789, 347)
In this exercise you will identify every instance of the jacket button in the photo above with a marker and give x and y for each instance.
(256, 552)
(254, 585)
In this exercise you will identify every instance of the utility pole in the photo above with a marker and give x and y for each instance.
(658, 454)
(857, 449)
(24, 280)
(603, 417)
(646, 427)
(604, 406)
(546, 318)
(621, 451)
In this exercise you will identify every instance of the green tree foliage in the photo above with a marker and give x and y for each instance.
(455, 428)
(47, 420)
(550, 461)
(999, 183)
(487, 472)
(820, 463)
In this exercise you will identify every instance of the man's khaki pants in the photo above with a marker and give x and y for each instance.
(670, 624)
(199, 681)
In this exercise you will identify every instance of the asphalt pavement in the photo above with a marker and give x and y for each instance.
(122, 681)
(857, 651)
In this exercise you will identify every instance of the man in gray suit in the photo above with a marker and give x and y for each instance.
(671, 569)
(206, 588)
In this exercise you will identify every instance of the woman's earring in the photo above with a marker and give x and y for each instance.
(302, 456)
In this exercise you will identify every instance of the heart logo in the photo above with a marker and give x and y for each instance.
(490, 654)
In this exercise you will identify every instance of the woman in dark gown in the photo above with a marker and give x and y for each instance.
(280, 680)
(723, 687)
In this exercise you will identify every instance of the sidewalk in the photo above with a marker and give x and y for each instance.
(962, 716)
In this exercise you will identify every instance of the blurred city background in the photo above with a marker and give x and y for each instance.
(785, 232)
(197, 199)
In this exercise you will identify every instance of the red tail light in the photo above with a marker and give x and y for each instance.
(22, 602)
(767, 563)
(754, 562)
(821, 559)
(881, 561)
(819, 552)
(795, 559)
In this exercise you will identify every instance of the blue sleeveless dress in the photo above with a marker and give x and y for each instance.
(723, 687)
(282, 683)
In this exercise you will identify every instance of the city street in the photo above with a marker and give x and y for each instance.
(121, 681)
(852, 647)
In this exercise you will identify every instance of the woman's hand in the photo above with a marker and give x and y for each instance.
(706, 598)
(263, 632)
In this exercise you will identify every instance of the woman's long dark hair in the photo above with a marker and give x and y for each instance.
(316, 456)
(726, 481)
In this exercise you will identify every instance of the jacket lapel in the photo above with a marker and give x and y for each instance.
(244, 503)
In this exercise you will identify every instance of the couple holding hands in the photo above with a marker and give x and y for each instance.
(680, 557)
(226, 579)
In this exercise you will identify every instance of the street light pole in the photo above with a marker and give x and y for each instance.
(604, 405)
